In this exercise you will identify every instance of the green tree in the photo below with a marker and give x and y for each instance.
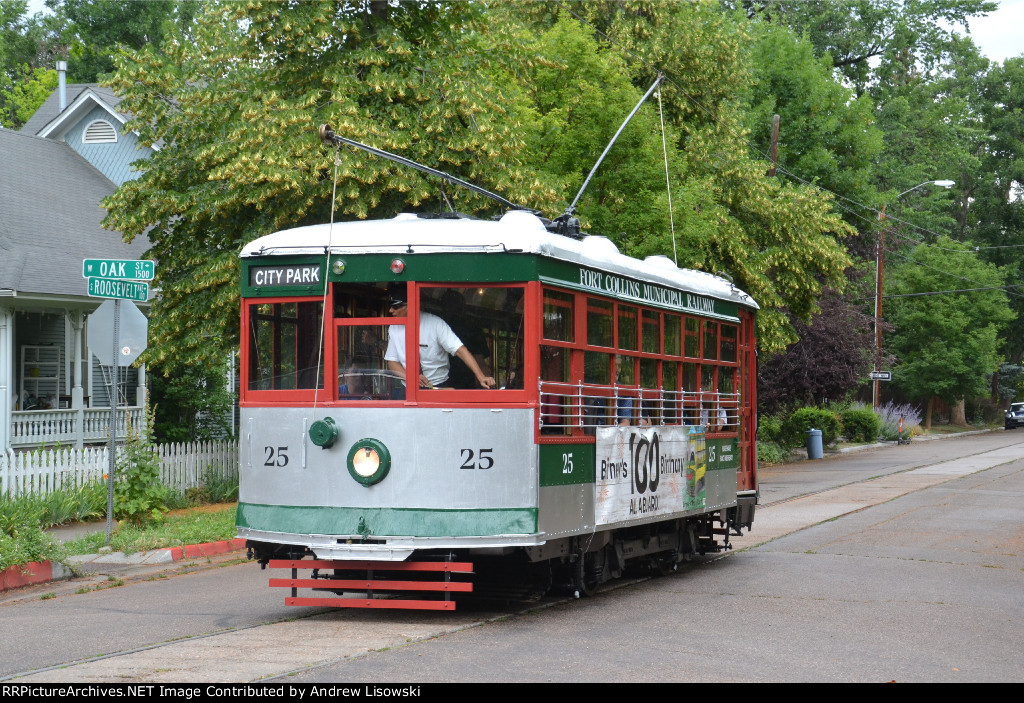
(827, 135)
(948, 343)
(24, 81)
(872, 42)
(236, 108)
(95, 31)
(29, 89)
(777, 240)
(995, 219)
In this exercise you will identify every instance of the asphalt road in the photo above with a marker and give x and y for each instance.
(893, 564)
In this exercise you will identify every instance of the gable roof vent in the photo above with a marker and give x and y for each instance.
(99, 132)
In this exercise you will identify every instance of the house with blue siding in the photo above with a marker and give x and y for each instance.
(54, 173)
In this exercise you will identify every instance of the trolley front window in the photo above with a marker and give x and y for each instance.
(363, 327)
(488, 321)
(284, 346)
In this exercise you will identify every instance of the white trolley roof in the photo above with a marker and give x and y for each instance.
(516, 231)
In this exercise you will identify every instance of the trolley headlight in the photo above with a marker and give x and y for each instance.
(369, 461)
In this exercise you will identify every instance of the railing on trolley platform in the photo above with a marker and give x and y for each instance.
(568, 406)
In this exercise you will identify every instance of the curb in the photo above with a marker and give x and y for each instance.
(207, 549)
(36, 573)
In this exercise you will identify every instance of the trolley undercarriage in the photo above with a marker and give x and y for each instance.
(432, 579)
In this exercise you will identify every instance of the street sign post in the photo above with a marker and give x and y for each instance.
(122, 269)
(119, 279)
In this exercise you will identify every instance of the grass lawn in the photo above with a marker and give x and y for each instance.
(207, 523)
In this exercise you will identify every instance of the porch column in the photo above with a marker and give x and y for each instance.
(140, 390)
(6, 376)
(77, 320)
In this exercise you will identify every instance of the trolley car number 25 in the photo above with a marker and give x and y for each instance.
(484, 460)
(276, 456)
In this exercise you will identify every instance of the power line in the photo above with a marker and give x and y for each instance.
(940, 292)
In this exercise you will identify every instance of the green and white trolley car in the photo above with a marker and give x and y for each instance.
(615, 422)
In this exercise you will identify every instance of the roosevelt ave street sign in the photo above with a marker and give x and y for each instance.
(116, 288)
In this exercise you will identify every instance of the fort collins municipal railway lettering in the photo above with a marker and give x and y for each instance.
(645, 292)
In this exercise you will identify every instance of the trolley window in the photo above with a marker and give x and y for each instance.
(652, 332)
(488, 321)
(728, 341)
(284, 345)
(710, 340)
(691, 335)
(558, 316)
(363, 327)
(627, 327)
(599, 323)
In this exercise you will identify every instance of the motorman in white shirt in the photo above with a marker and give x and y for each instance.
(436, 342)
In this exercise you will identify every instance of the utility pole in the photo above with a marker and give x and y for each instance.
(879, 266)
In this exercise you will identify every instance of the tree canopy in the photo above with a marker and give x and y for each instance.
(950, 307)
(522, 109)
(876, 98)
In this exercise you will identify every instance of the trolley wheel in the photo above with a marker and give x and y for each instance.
(587, 572)
(666, 565)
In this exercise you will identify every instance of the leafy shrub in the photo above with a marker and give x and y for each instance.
(794, 430)
(27, 543)
(19, 511)
(860, 424)
(890, 416)
(771, 453)
(92, 500)
(769, 429)
(139, 496)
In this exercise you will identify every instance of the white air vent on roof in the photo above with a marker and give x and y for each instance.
(99, 132)
(660, 261)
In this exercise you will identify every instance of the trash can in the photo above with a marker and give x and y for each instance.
(814, 450)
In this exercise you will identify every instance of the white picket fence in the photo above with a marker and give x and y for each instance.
(182, 466)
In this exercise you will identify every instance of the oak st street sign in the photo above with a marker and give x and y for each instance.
(118, 278)
(123, 269)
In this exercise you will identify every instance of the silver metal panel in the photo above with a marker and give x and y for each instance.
(441, 458)
(566, 510)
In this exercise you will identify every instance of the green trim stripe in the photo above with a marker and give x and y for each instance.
(387, 522)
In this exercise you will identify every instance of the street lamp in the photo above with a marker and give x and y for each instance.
(879, 265)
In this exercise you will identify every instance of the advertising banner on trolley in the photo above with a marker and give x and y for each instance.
(647, 471)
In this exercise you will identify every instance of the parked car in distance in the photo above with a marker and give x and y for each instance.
(1014, 416)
